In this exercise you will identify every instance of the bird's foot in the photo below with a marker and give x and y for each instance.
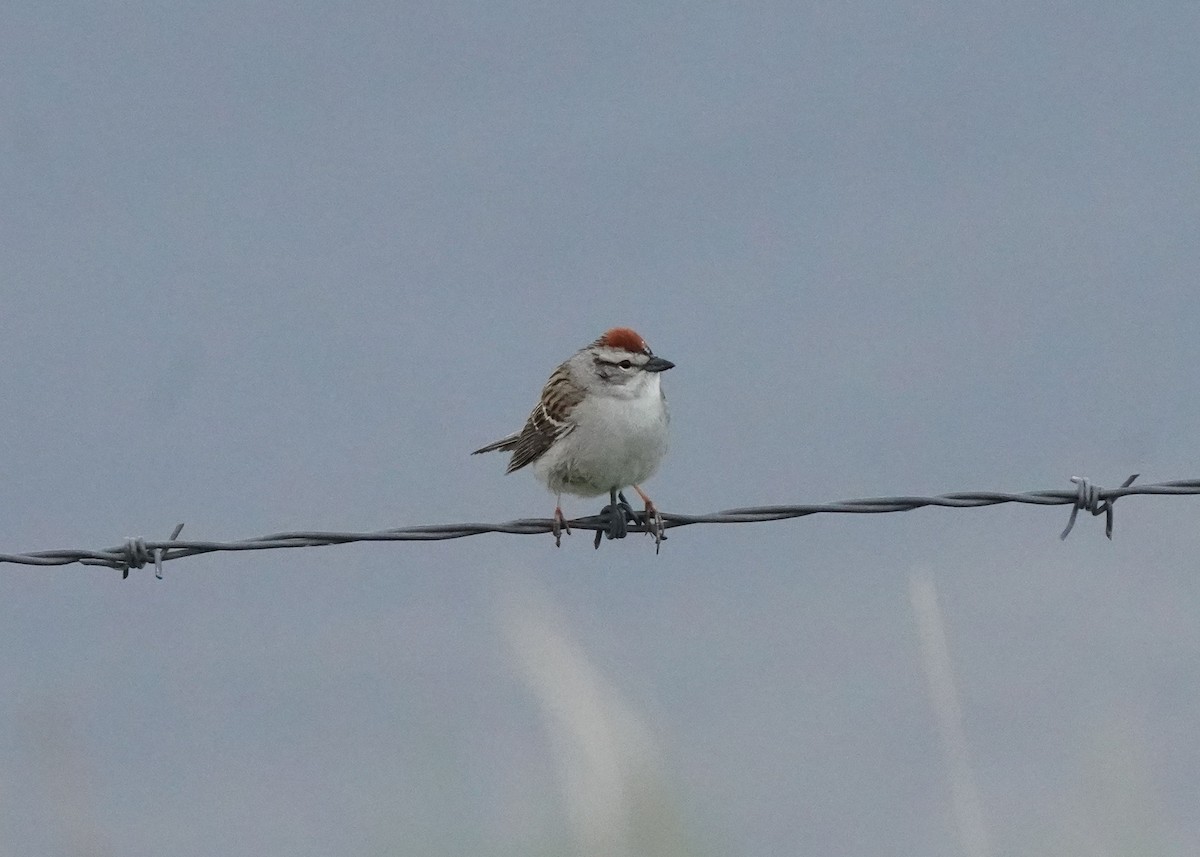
(653, 522)
(559, 524)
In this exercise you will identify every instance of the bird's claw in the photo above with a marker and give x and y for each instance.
(559, 524)
(653, 522)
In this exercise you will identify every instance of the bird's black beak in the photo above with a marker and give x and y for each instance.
(657, 364)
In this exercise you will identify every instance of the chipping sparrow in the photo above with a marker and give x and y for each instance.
(601, 424)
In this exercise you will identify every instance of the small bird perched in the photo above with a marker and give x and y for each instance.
(600, 425)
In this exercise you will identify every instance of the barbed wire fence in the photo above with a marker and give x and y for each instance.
(137, 553)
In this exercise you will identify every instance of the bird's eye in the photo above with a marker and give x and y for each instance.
(624, 364)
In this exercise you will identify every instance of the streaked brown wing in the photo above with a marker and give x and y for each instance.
(549, 420)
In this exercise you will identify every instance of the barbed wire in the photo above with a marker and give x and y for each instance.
(138, 553)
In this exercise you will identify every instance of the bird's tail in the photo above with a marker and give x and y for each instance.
(504, 444)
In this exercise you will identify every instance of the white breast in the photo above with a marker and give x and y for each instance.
(615, 443)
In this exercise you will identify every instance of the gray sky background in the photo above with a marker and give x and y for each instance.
(282, 266)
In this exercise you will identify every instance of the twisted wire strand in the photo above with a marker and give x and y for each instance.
(137, 552)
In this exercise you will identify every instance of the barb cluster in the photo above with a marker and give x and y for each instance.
(138, 553)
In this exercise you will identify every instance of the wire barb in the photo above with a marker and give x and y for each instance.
(134, 553)
(136, 556)
(137, 553)
(1092, 498)
(158, 552)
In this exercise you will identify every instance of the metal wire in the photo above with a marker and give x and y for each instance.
(137, 553)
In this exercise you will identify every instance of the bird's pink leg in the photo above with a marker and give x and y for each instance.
(560, 522)
(653, 519)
